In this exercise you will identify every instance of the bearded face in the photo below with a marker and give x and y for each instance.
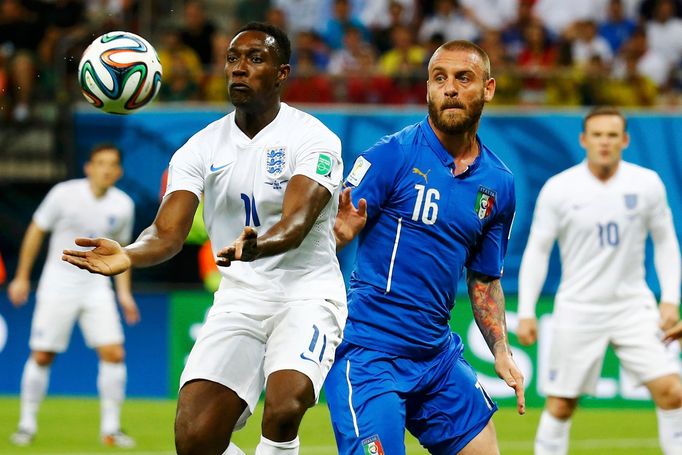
(454, 116)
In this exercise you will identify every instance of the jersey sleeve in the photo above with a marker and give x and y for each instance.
(48, 212)
(373, 176)
(488, 258)
(187, 170)
(318, 157)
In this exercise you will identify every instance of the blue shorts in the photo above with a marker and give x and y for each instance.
(374, 396)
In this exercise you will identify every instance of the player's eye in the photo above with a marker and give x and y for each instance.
(231, 58)
(256, 59)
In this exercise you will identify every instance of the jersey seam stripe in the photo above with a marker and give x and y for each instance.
(350, 400)
(395, 251)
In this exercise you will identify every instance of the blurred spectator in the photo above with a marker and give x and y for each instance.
(405, 58)
(278, 18)
(594, 83)
(381, 34)
(449, 18)
(109, 15)
(512, 35)
(310, 43)
(368, 86)
(664, 32)
(341, 20)
(197, 31)
(308, 84)
(631, 87)
(587, 43)
(348, 59)
(300, 14)
(246, 11)
(491, 14)
(21, 33)
(182, 69)
(508, 84)
(647, 9)
(557, 15)
(617, 28)
(649, 62)
(536, 63)
(215, 84)
(378, 14)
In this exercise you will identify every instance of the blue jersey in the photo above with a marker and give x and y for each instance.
(424, 226)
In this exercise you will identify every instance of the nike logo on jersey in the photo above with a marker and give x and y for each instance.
(214, 168)
(419, 172)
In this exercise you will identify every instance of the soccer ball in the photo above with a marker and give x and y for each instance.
(119, 73)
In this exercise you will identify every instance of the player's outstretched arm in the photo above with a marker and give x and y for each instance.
(158, 243)
(303, 202)
(487, 303)
(349, 220)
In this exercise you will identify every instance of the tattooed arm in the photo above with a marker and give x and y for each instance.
(487, 303)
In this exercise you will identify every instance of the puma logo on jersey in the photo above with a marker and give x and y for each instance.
(419, 172)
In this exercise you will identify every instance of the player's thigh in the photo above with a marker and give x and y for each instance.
(53, 320)
(638, 346)
(303, 337)
(99, 319)
(367, 411)
(454, 409)
(229, 351)
(485, 442)
(576, 355)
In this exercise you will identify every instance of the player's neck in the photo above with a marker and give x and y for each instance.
(463, 147)
(603, 173)
(252, 121)
(98, 191)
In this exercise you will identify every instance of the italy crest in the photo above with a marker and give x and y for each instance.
(485, 200)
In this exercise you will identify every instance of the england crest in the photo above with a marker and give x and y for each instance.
(630, 201)
(275, 161)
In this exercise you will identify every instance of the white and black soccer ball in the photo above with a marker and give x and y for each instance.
(119, 72)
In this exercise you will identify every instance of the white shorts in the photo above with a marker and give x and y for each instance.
(240, 350)
(579, 343)
(56, 314)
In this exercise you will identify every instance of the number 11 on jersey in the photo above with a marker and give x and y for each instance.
(250, 209)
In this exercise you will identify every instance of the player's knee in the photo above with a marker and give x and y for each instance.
(112, 354)
(284, 413)
(44, 359)
(670, 397)
(561, 408)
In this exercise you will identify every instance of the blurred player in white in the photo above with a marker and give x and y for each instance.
(601, 212)
(275, 321)
(94, 207)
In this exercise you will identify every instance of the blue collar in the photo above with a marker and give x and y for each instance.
(443, 155)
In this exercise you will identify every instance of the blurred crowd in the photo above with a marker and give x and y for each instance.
(543, 52)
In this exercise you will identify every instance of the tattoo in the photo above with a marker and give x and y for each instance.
(487, 303)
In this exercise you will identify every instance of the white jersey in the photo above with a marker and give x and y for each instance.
(243, 182)
(71, 210)
(601, 228)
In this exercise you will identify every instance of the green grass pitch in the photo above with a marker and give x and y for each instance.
(69, 426)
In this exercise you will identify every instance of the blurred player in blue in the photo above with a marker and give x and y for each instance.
(431, 200)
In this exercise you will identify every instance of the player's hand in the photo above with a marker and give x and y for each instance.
(673, 333)
(669, 315)
(18, 291)
(245, 249)
(131, 313)
(106, 258)
(506, 369)
(349, 219)
(527, 331)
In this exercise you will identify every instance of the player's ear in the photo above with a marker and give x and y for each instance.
(283, 73)
(489, 90)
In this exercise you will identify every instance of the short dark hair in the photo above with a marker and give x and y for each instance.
(282, 43)
(605, 110)
(463, 45)
(106, 146)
